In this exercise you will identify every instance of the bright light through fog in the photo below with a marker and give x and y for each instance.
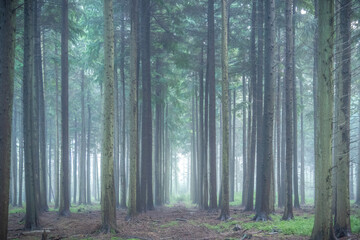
(302, 11)
(182, 166)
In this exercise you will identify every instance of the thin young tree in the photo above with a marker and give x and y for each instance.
(323, 228)
(7, 59)
(342, 214)
(64, 209)
(225, 211)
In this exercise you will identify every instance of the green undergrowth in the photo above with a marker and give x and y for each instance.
(170, 224)
(299, 226)
(181, 199)
(222, 226)
(85, 208)
(17, 210)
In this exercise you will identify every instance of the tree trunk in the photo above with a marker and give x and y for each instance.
(133, 108)
(122, 73)
(64, 209)
(21, 161)
(14, 156)
(249, 205)
(57, 142)
(35, 116)
(323, 228)
(288, 212)
(244, 153)
(31, 216)
(41, 110)
(263, 211)
(88, 187)
(295, 120)
(302, 147)
(232, 163)
(82, 172)
(342, 214)
(315, 80)
(259, 104)
(116, 127)
(358, 160)
(108, 204)
(278, 125)
(7, 58)
(146, 143)
(225, 212)
(212, 104)
(75, 162)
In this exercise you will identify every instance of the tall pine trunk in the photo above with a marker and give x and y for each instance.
(289, 84)
(7, 58)
(323, 228)
(342, 214)
(225, 211)
(108, 204)
(133, 108)
(64, 209)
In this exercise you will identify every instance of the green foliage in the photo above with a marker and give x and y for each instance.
(17, 210)
(170, 224)
(222, 226)
(300, 226)
(85, 208)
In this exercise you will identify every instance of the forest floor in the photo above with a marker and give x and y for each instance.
(177, 221)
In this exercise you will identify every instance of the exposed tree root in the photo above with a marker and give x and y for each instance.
(262, 217)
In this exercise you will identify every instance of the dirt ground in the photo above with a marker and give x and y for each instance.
(177, 222)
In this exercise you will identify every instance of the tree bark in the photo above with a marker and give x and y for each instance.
(31, 216)
(146, 142)
(108, 204)
(75, 162)
(225, 211)
(244, 153)
(88, 187)
(133, 107)
(82, 165)
(323, 228)
(249, 205)
(302, 147)
(64, 209)
(7, 59)
(212, 104)
(342, 214)
(122, 74)
(289, 84)
(259, 104)
(263, 211)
